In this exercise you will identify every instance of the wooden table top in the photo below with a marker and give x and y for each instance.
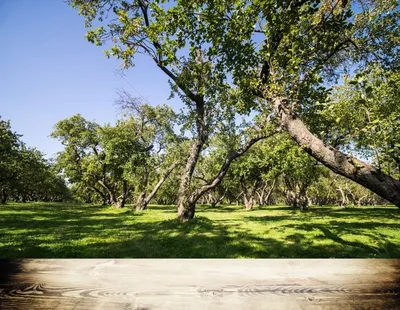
(200, 284)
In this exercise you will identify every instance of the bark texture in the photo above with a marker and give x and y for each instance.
(185, 206)
(339, 162)
(122, 198)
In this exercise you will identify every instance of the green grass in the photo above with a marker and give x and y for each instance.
(66, 230)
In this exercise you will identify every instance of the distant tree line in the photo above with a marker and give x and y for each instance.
(25, 175)
(140, 160)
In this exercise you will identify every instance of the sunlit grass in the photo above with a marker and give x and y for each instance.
(72, 230)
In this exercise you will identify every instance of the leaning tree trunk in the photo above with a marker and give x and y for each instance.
(111, 198)
(102, 195)
(143, 201)
(359, 201)
(340, 163)
(186, 206)
(267, 200)
(238, 196)
(218, 199)
(110, 194)
(231, 156)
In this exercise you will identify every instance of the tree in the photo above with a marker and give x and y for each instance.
(142, 27)
(282, 55)
(364, 112)
(102, 158)
(82, 160)
(254, 171)
(24, 172)
(9, 151)
(155, 128)
(115, 162)
(276, 161)
(303, 45)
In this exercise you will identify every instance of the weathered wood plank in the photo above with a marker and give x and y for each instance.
(199, 284)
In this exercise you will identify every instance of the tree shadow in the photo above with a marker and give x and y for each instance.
(93, 231)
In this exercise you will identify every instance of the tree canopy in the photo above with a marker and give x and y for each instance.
(290, 102)
(279, 59)
(25, 175)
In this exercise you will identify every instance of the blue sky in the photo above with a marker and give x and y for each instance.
(48, 72)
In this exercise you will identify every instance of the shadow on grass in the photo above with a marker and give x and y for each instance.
(236, 208)
(94, 231)
(354, 222)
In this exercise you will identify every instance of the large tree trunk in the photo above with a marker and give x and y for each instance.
(141, 203)
(248, 202)
(120, 203)
(297, 199)
(185, 207)
(340, 163)
(122, 199)
(186, 210)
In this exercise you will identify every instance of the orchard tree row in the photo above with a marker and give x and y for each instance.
(141, 159)
(280, 97)
(323, 71)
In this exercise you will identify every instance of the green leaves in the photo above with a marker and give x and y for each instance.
(228, 58)
(102, 158)
(365, 112)
(24, 173)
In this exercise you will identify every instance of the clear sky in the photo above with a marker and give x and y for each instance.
(48, 72)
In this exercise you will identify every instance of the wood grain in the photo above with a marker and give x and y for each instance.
(199, 284)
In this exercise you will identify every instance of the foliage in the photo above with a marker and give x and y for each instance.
(25, 175)
(116, 161)
(364, 113)
(275, 58)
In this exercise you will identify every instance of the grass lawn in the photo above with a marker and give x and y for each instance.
(34, 230)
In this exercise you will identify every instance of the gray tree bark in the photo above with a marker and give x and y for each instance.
(339, 162)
